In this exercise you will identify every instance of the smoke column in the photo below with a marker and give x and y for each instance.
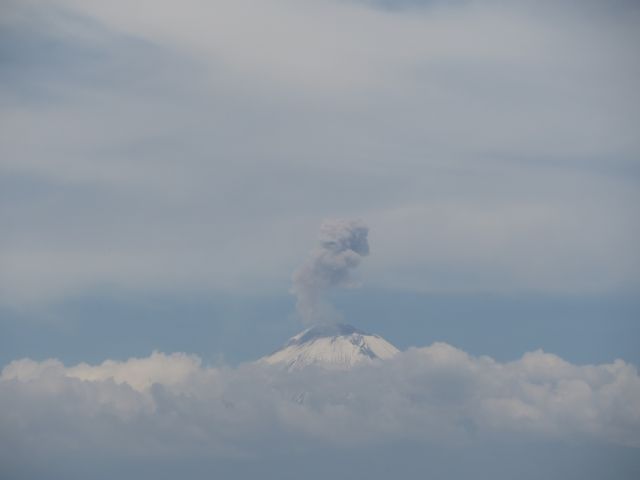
(343, 244)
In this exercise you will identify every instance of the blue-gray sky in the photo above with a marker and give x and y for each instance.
(165, 168)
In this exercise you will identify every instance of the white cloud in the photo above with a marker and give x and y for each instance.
(432, 394)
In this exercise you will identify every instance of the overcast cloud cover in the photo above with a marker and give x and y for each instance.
(491, 146)
(193, 148)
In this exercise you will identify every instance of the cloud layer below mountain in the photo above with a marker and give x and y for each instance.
(172, 406)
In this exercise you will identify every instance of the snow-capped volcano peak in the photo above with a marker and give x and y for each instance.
(331, 346)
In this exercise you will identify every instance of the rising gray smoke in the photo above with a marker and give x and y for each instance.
(343, 243)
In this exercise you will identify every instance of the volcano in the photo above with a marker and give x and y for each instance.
(331, 346)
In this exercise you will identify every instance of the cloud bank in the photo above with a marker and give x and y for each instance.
(172, 406)
(343, 244)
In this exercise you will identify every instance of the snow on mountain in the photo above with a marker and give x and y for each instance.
(331, 346)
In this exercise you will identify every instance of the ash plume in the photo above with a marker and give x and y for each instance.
(343, 244)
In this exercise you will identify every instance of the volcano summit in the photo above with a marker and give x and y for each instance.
(331, 346)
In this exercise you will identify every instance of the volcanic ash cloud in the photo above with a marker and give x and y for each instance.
(343, 244)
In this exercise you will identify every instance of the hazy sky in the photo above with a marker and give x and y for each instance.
(165, 168)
